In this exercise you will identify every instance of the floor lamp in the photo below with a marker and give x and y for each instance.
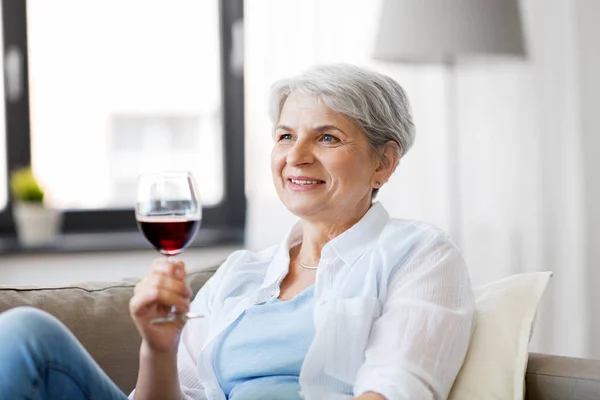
(444, 32)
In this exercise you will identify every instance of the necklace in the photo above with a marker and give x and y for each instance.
(307, 266)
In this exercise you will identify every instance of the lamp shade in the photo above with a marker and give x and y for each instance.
(445, 30)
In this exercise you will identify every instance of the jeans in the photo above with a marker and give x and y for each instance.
(41, 359)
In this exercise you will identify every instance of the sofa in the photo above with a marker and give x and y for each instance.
(98, 314)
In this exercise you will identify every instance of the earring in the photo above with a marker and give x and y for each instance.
(377, 183)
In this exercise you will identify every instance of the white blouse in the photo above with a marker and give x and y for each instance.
(393, 312)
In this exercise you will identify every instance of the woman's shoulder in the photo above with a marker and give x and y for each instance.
(404, 240)
(416, 248)
(399, 230)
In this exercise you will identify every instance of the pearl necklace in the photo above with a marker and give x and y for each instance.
(307, 266)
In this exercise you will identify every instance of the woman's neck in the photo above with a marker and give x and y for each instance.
(316, 235)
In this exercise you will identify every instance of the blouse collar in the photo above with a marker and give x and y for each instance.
(348, 246)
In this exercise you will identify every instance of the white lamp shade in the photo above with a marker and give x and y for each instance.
(445, 30)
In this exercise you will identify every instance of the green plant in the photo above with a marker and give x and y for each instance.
(24, 186)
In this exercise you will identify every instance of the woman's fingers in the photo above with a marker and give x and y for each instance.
(160, 289)
(141, 300)
(152, 296)
(169, 298)
(166, 283)
(165, 275)
(174, 269)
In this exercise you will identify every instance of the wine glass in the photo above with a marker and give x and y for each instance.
(168, 212)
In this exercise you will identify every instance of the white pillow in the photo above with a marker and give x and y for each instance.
(495, 363)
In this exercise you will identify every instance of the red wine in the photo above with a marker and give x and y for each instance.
(169, 235)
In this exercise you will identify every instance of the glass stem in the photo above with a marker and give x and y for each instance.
(173, 308)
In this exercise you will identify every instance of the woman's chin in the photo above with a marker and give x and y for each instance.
(304, 208)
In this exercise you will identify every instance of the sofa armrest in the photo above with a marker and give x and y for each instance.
(551, 377)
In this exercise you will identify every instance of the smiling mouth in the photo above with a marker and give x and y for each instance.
(305, 182)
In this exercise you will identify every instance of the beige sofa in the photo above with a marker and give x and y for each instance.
(97, 313)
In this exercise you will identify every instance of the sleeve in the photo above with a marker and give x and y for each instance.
(192, 339)
(418, 344)
(194, 334)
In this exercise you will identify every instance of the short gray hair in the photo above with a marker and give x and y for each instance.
(376, 103)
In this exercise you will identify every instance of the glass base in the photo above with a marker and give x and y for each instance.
(175, 317)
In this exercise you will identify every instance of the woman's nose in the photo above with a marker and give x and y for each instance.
(300, 153)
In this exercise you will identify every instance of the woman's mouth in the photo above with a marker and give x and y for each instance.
(304, 184)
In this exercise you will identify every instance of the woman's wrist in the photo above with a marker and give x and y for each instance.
(157, 375)
(147, 351)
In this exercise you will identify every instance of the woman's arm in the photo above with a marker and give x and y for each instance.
(418, 344)
(157, 377)
(164, 286)
(170, 370)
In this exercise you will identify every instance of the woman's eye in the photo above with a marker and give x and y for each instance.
(329, 138)
(285, 136)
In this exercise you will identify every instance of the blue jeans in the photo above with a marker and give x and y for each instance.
(41, 359)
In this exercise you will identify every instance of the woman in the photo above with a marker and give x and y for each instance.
(351, 305)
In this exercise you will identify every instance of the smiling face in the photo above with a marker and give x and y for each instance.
(322, 165)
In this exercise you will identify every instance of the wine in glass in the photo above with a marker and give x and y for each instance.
(168, 213)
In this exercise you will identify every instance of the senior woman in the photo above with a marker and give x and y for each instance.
(352, 304)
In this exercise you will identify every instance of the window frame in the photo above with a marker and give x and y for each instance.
(224, 222)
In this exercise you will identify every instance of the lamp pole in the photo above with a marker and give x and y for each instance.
(453, 153)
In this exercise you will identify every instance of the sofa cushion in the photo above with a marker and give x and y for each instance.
(98, 314)
(494, 367)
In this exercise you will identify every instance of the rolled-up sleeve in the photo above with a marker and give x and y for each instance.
(418, 344)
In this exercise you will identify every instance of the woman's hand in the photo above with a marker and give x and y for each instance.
(153, 297)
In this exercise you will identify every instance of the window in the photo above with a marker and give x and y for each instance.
(120, 101)
(120, 87)
(3, 174)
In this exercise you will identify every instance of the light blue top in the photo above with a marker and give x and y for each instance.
(260, 355)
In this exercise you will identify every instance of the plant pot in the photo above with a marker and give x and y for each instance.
(36, 224)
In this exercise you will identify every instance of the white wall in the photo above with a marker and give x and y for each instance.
(588, 32)
(521, 145)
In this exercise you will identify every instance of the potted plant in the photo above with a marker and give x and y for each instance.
(37, 224)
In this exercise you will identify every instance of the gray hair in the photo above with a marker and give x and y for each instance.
(376, 103)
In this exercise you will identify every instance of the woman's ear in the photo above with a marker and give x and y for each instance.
(389, 157)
